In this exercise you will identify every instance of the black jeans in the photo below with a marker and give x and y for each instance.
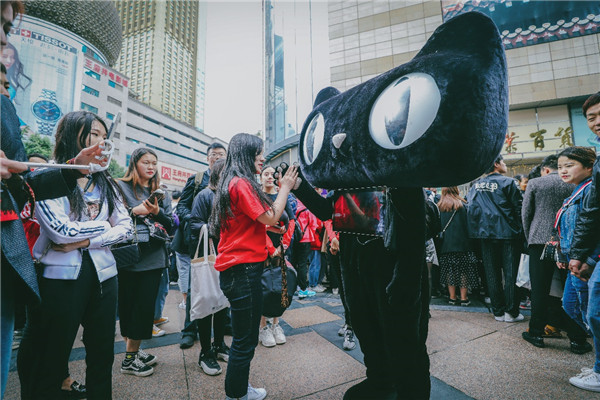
(243, 288)
(543, 309)
(301, 262)
(51, 329)
(501, 256)
(206, 325)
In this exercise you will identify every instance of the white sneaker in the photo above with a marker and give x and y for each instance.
(509, 318)
(266, 338)
(319, 288)
(335, 291)
(157, 332)
(278, 334)
(256, 393)
(349, 342)
(500, 318)
(342, 330)
(586, 380)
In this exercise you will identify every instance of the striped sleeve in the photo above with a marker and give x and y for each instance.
(55, 222)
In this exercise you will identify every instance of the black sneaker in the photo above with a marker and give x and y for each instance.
(465, 303)
(580, 347)
(146, 358)
(454, 302)
(208, 363)
(187, 341)
(222, 351)
(136, 367)
(537, 341)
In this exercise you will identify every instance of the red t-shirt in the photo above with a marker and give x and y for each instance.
(245, 239)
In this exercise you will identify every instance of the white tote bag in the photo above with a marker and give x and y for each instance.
(206, 295)
(523, 274)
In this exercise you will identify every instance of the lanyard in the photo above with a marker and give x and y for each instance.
(569, 200)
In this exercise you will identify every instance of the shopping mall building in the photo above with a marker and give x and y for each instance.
(552, 49)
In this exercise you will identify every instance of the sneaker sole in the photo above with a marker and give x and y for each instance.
(209, 371)
(280, 342)
(268, 345)
(136, 373)
(585, 387)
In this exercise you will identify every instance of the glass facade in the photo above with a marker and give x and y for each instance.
(296, 68)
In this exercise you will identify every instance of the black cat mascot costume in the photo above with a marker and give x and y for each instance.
(438, 120)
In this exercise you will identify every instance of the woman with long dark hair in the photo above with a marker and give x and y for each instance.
(138, 283)
(78, 283)
(14, 70)
(241, 211)
(457, 260)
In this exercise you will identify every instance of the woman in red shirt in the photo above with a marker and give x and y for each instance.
(240, 216)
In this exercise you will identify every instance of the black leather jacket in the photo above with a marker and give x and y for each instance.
(495, 208)
(587, 230)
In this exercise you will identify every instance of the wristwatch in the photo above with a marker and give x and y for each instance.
(46, 111)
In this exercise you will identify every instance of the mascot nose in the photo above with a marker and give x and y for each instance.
(338, 140)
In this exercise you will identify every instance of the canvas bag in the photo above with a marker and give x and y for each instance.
(206, 295)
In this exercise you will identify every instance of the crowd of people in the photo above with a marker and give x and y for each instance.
(61, 229)
(544, 226)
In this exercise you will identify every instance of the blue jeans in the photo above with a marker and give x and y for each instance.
(315, 268)
(581, 301)
(7, 323)
(163, 291)
(183, 269)
(242, 286)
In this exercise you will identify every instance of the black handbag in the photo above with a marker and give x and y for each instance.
(279, 284)
(127, 253)
(551, 250)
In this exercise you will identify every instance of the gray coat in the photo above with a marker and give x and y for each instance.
(543, 198)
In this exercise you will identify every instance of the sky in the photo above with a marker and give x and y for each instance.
(234, 69)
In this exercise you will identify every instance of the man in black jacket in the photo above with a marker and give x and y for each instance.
(494, 216)
(181, 241)
(584, 251)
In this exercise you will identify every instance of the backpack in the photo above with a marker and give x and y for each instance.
(197, 182)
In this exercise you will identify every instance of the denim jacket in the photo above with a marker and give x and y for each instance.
(568, 219)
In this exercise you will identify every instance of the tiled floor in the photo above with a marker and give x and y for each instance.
(472, 356)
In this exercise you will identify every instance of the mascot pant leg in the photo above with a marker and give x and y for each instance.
(392, 336)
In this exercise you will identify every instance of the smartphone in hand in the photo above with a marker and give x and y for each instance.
(157, 194)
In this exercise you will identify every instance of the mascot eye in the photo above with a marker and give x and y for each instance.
(404, 111)
(313, 140)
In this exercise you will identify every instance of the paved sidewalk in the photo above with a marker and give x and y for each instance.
(472, 356)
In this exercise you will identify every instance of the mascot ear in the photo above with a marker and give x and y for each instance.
(325, 94)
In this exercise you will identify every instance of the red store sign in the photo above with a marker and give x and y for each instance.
(102, 70)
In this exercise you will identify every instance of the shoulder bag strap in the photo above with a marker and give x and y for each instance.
(203, 234)
(450, 220)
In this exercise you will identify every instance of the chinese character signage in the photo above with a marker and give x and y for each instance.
(102, 70)
(173, 175)
(524, 23)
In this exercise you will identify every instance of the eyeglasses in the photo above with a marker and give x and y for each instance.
(216, 155)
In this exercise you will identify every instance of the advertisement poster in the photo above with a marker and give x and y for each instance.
(42, 65)
(173, 176)
(524, 23)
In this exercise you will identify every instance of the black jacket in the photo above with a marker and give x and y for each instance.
(201, 210)
(495, 208)
(184, 211)
(587, 230)
(456, 235)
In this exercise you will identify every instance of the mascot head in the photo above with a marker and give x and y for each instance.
(438, 120)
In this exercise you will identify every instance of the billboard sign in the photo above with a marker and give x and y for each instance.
(524, 23)
(43, 62)
(173, 175)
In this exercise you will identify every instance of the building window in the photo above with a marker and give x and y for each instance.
(110, 116)
(89, 108)
(90, 90)
(127, 158)
(113, 100)
(92, 74)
